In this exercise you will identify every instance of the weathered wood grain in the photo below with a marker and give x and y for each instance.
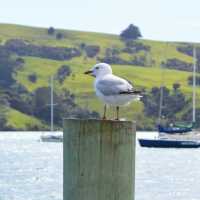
(99, 160)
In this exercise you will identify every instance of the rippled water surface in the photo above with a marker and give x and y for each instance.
(29, 169)
(32, 170)
(167, 174)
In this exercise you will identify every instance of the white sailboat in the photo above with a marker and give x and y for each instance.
(180, 127)
(191, 140)
(53, 136)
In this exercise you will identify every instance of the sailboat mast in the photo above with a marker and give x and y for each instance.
(161, 104)
(194, 87)
(52, 104)
(161, 91)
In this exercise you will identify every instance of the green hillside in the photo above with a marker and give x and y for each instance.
(144, 77)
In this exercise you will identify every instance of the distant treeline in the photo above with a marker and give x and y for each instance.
(22, 48)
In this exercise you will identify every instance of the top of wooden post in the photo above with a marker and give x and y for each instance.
(98, 120)
(99, 125)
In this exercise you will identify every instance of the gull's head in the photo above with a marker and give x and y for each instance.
(100, 69)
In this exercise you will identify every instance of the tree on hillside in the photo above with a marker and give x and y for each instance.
(63, 72)
(92, 50)
(3, 121)
(3, 109)
(7, 67)
(66, 106)
(32, 77)
(173, 102)
(176, 86)
(190, 80)
(20, 99)
(132, 32)
(51, 30)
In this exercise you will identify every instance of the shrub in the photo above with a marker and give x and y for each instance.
(59, 36)
(134, 47)
(173, 103)
(20, 60)
(138, 60)
(82, 46)
(190, 80)
(92, 50)
(66, 106)
(24, 49)
(177, 64)
(63, 72)
(20, 99)
(176, 86)
(32, 78)
(113, 60)
(188, 116)
(7, 67)
(186, 49)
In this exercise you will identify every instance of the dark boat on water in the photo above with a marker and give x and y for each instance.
(179, 127)
(173, 129)
(169, 143)
(174, 134)
(51, 138)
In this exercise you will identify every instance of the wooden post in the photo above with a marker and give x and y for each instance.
(99, 159)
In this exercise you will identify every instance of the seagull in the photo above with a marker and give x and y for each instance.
(111, 89)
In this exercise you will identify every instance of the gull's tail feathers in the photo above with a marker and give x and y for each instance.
(134, 92)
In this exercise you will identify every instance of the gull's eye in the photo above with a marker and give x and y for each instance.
(97, 67)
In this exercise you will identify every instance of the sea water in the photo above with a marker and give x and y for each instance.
(32, 170)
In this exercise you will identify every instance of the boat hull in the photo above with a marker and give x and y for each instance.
(166, 143)
(173, 130)
(51, 138)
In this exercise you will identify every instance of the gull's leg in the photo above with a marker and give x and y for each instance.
(117, 111)
(104, 113)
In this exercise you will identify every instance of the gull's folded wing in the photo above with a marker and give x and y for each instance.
(114, 86)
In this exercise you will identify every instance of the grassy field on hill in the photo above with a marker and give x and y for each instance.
(82, 85)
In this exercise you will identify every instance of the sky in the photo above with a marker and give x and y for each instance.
(167, 20)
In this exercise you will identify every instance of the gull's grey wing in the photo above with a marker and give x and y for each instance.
(129, 82)
(113, 86)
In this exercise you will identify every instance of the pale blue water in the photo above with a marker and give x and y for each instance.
(167, 174)
(31, 170)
